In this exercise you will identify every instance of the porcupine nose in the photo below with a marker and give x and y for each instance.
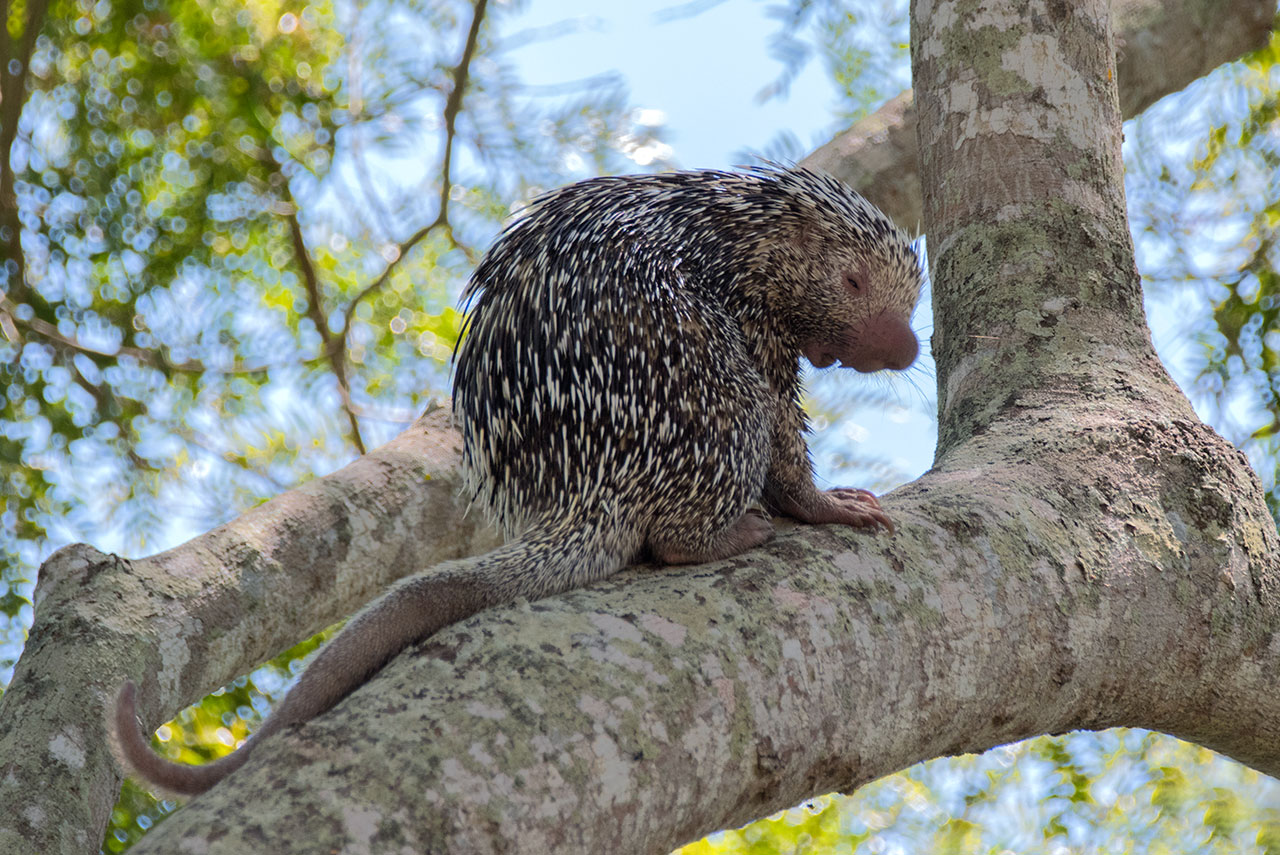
(887, 341)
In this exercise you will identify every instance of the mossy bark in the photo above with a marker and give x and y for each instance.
(1084, 553)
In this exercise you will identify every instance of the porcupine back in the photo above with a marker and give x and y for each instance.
(585, 372)
(606, 329)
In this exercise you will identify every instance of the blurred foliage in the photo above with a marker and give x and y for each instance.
(230, 235)
(864, 47)
(1116, 791)
(1204, 191)
(205, 296)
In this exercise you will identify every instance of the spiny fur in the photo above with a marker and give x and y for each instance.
(628, 378)
(594, 354)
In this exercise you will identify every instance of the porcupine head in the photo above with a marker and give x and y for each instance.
(858, 279)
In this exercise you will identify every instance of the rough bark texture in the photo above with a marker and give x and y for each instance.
(181, 622)
(1148, 572)
(1084, 553)
(1162, 45)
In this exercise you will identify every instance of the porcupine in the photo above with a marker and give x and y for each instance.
(627, 384)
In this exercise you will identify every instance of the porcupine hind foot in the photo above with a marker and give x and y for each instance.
(752, 529)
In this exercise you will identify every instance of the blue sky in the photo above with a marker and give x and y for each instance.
(702, 70)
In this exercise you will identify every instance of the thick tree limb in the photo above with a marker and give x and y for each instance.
(1017, 599)
(1162, 45)
(1085, 553)
(179, 623)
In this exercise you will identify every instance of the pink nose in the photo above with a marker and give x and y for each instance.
(887, 341)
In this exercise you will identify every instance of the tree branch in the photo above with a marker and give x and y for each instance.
(334, 347)
(103, 398)
(14, 69)
(1163, 45)
(453, 106)
(11, 326)
(652, 709)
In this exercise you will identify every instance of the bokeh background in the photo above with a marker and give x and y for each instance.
(232, 236)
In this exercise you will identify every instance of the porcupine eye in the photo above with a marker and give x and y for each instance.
(851, 283)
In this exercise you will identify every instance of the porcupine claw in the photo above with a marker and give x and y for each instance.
(841, 506)
(859, 508)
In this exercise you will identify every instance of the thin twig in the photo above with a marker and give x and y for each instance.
(13, 85)
(453, 105)
(334, 347)
(402, 250)
(102, 401)
(11, 324)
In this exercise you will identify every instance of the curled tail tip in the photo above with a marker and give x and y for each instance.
(132, 748)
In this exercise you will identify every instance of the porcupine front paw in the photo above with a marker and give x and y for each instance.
(843, 505)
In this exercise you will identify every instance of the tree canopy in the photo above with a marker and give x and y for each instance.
(232, 236)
